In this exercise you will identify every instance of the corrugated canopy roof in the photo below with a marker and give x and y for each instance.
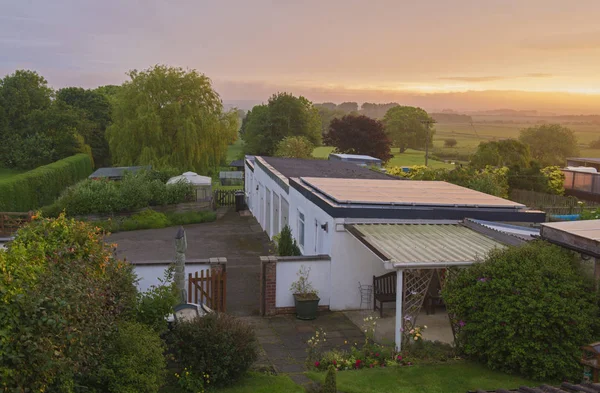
(424, 245)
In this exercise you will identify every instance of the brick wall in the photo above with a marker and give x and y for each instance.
(268, 285)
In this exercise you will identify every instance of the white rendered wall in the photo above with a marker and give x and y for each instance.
(316, 239)
(351, 262)
(264, 181)
(149, 275)
(319, 277)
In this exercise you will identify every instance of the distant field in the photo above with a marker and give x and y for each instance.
(408, 158)
(234, 151)
(469, 136)
(6, 173)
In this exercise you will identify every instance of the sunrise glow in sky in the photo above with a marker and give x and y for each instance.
(335, 50)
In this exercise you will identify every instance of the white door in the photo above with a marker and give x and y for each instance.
(285, 212)
(276, 229)
(260, 205)
(268, 211)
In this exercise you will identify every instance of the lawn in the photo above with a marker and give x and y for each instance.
(7, 173)
(408, 158)
(253, 383)
(457, 377)
(235, 151)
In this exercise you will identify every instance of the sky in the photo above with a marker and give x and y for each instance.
(460, 54)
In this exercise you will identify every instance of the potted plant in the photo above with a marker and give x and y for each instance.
(305, 295)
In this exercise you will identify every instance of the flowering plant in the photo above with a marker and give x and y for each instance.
(313, 348)
(302, 287)
(191, 382)
(416, 333)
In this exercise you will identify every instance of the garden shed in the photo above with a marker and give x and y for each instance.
(117, 173)
(202, 184)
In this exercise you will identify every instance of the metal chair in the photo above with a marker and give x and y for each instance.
(366, 294)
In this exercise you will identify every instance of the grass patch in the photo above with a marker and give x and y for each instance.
(253, 383)
(150, 219)
(235, 151)
(457, 377)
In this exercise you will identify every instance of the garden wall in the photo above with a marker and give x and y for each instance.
(278, 274)
(150, 272)
(41, 186)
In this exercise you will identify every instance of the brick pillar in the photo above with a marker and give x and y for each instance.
(268, 284)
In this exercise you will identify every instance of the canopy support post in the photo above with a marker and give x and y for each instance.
(399, 292)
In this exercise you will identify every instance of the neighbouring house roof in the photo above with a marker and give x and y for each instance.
(297, 167)
(427, 245)
(408, 193)
(506, 233)
(116, 172)
(585, 159)
(354, 157)
(237, 163)
(580, 236)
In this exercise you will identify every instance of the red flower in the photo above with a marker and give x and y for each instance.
(357, 364)
(371, 365)
(317, 364)
(376, 354)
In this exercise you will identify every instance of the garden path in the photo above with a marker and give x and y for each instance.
(283, 340)
(237, 238)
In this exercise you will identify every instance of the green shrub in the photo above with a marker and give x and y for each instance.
(191, 217)
(135, 191)
(219, 345)
(157, 302)
(41, 186)
(134, 361)
(150, 219)
(330, 385)
(287, 246)
(450, 142)
(525, 310)
(60, 306)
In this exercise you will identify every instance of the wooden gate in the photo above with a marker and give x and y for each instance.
(11, 222)
(210, 288)
(224, 197)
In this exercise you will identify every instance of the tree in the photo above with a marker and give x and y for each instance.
(170, 117)
(284, 115)
(507, 152)
(408, 127)
(450, 142)
(550, 144)
(294, 147)
(95, 108)
(327, 115)
(327, 105)
(525, 310)
(348, 107)
(359, 135)
(376, 111)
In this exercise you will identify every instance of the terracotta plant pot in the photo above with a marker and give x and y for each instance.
(307, 306)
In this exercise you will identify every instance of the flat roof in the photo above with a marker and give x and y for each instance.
(297, 167)
(355, 156)
(581, 236)
(117, 171)
(407, 193)
(424, 245)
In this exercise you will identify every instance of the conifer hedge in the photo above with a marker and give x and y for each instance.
(41, 186)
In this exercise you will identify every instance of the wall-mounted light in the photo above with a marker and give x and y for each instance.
(325, 226)
(257, 187)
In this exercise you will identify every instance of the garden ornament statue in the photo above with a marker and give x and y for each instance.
(180, 248)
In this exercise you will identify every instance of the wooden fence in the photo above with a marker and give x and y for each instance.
(10, 222)
(224, 197)
(551, 204)
(209, 289)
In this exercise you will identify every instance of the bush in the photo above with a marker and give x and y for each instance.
(219, 345)
(525, 310)
(287, 246)
(135, 191)
(59, 308)
(595, 144)
(134, 361)
(330, 385)
(41, 186)
(191, 217)
(150, 219)
(157, 302)
(450, 142)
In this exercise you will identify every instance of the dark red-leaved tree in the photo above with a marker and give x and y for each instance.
(359, 135)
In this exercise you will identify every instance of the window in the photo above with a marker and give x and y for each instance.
(301, 228)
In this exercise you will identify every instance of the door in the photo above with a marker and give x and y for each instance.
(261, 204)
(285, 212)
(319, 234)
(268, 211)
(276, 229)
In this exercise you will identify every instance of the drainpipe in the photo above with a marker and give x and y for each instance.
(180, 249)
(399, 291)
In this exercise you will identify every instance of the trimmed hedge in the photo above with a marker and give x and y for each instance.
(42, 185)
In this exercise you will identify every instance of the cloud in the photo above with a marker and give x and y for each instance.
(538, 75)
(565, 42)
(473, 78)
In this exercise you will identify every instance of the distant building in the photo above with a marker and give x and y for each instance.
(587, 162)
(237, 164)
(116, 173)
(356, 159)
(582, 179)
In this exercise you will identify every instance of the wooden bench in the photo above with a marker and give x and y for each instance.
(384, 290)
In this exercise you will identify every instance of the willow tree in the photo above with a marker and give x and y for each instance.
(170, 117)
